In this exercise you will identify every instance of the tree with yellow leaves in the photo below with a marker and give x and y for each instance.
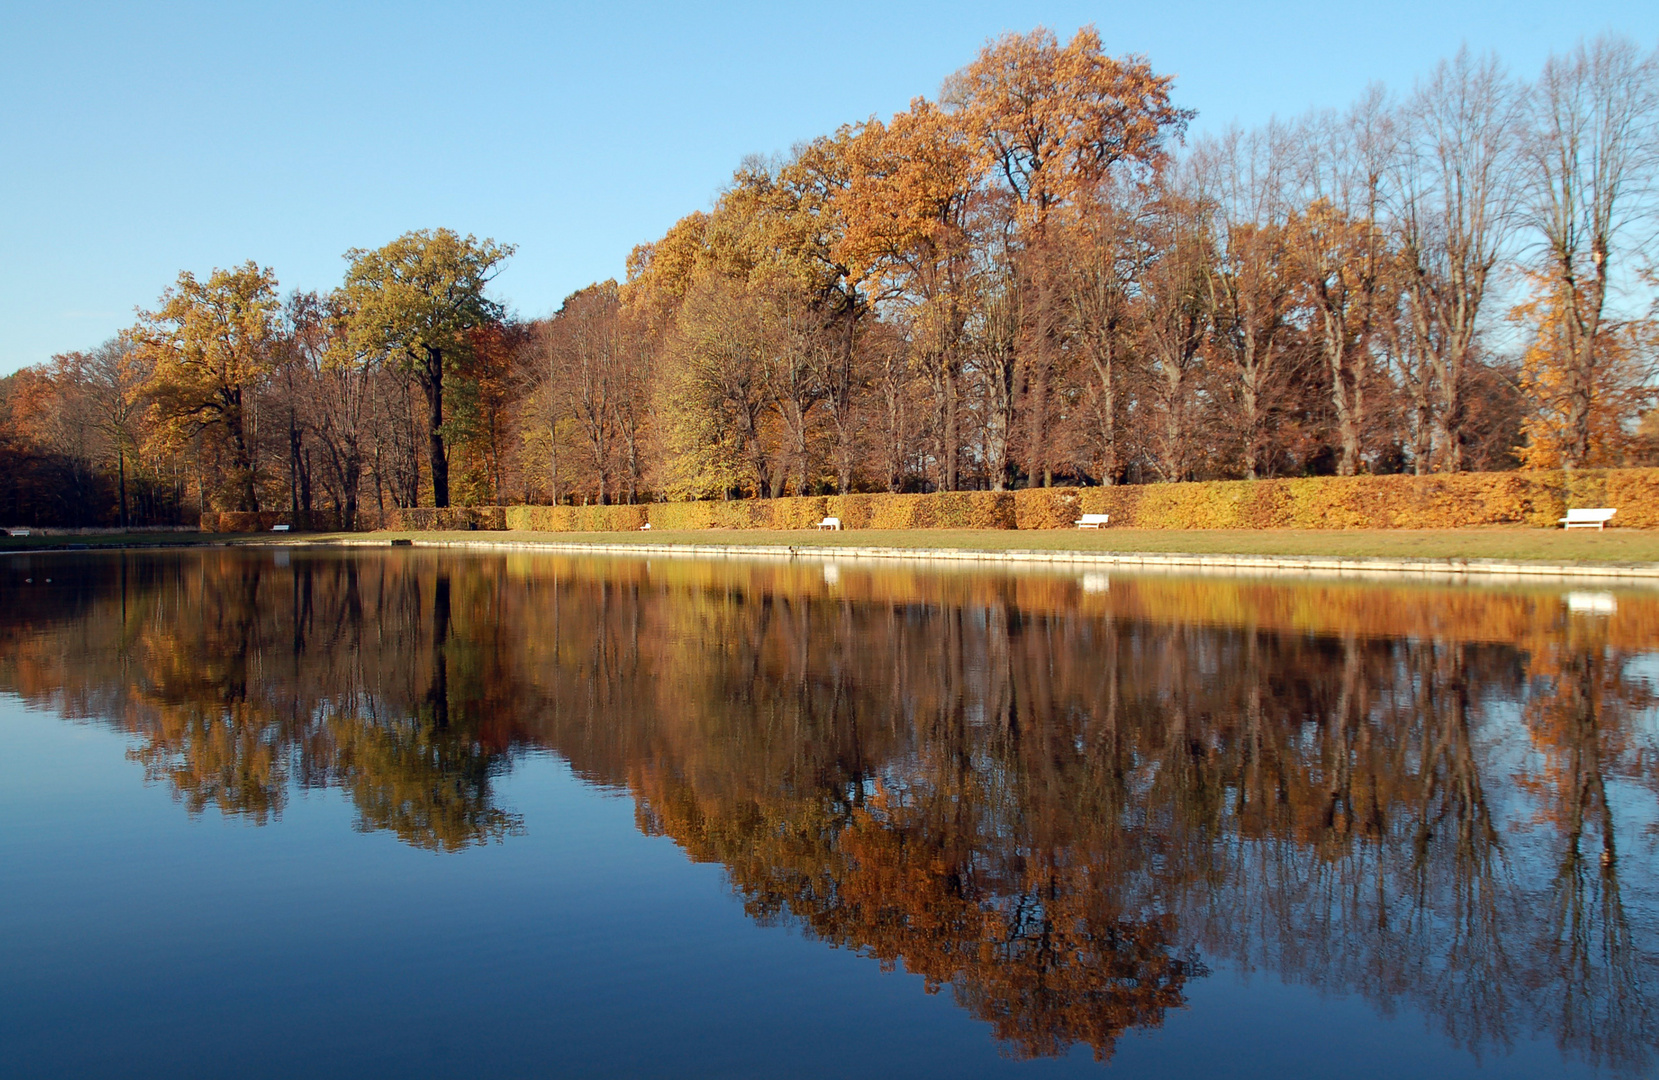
(1586, 406)
(211, 343)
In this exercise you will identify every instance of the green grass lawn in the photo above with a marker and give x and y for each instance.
(105, 539)
(1536, 545)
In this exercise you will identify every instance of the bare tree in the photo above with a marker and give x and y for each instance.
(1591, 156)
(1456, 194)
(1341, 251)
(1252, 286)
(1175, 324)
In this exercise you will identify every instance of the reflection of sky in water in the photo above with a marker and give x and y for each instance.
(579, 948)
(592, 929)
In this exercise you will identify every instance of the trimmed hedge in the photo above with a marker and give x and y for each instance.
(1458, 500)
(574, 518)
(446, 519)
(248, 521)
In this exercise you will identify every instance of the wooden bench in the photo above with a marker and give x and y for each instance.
(1585, 518)
(1093, 521)
(829, 523)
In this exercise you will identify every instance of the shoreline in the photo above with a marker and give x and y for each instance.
(1490, 570)
(1454, 569)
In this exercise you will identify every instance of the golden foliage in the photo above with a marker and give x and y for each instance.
(1619, 392)
(1437, 501)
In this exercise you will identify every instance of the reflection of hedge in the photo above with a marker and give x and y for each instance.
(1327, 502)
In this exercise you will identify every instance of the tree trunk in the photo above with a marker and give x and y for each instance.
(293, 462)
(432, 381)
(949, 432)
(1344, 395)
(243, 453)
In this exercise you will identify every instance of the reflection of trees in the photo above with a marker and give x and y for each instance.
(244, 681)
(1577, 722)
(1049, 802)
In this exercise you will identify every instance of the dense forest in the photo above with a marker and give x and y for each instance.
(1035, 277)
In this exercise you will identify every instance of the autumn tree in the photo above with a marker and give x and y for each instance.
(907, 240)
(1596, 423)
(1050, 123)
(1457, 186)
(1252, 283)
(1341, 256)
(1591, 156)
(210, 344)
(413, 301)
(1174, 321)
(335, 385)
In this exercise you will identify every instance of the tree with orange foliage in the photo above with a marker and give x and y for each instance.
(1053, 123)
(906, 211)
(1586, 407)
(211, 343)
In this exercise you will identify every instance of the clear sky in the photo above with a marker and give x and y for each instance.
(137, 140)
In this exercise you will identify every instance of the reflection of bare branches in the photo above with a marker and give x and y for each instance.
(1475, 903)
(1602, 1001)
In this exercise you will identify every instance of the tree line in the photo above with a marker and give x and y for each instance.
(1032, 278)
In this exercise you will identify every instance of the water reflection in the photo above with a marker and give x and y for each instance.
(1058, 797)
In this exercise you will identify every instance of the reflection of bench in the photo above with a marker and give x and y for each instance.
(829, 523)
(1092, 521)
(1587, 519)
(280, 528)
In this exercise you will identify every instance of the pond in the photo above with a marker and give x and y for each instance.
(417, 813)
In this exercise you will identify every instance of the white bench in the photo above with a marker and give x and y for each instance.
(1587, 518)
(829, 523)
(645, 526)
(280, 528)
(1093, 521)
(18, 532)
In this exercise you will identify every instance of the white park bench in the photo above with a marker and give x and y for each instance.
(645, 526)
(1092, 521)
(280, 528)
(1587, 518)
(829, 523)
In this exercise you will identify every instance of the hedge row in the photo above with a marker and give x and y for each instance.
(1382, 502)
(422, 519)
(247, 521)
(1329, 502)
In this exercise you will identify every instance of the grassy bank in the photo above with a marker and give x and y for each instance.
(1517, 544)
(1521, 544)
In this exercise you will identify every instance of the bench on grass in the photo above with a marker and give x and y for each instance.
(280, 528)
(829, 523)
(645, 526)
(1587, 518)
(1093, 521)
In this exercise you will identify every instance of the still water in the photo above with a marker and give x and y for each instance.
(281, 813)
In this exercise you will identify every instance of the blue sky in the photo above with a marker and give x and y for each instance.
(139, 140)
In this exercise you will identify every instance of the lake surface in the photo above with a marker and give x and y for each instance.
(408, 813)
